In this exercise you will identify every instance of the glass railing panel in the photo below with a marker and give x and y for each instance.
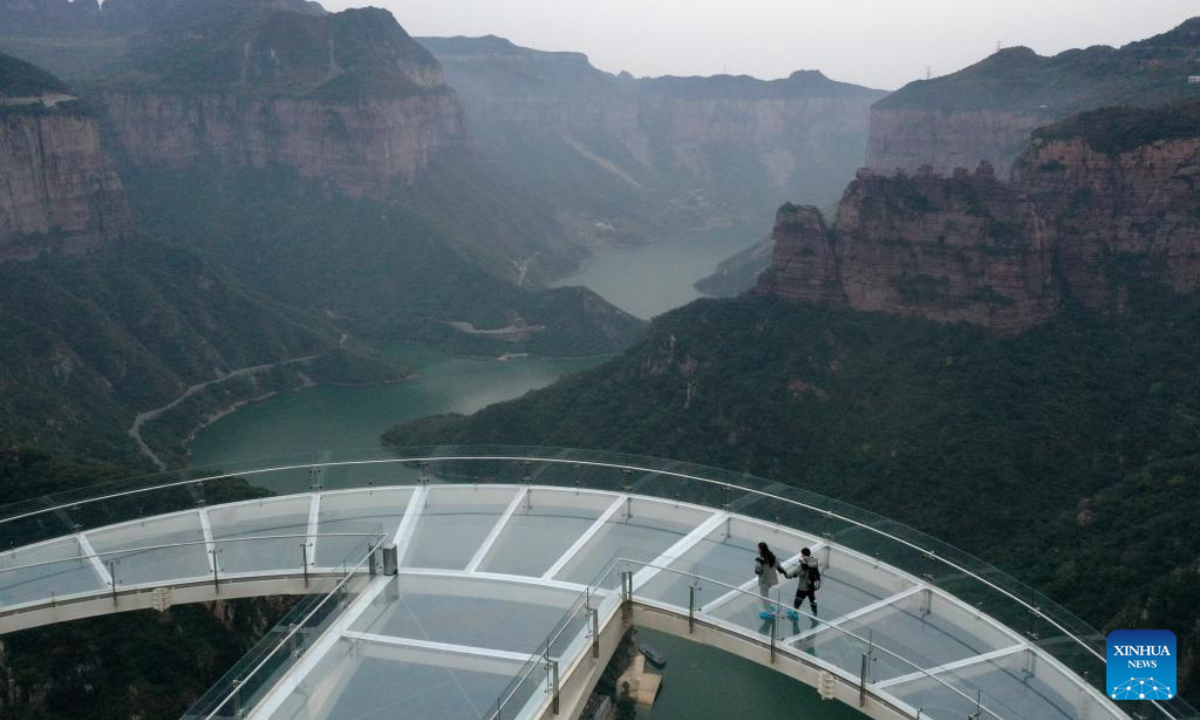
(923, 632)
(542, 529)
(283, 518)
(155, 549)
(247, 683)
(453, 524)
(1018, 685)
(52, 569)
(375, 511)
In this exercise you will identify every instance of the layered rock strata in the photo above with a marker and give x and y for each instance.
(58, 192)
(1076, 222)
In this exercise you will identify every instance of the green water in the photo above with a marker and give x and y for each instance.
(352, 417)
(704, 683)
(649, 280)
(645, 281)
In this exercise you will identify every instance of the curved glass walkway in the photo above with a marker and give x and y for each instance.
(494, 582)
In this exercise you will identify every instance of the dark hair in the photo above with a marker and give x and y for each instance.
(806, 552)
(767, 555)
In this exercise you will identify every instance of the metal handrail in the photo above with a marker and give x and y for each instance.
(826, 626)
(1033, 609)
(282, 642)
(189, 543)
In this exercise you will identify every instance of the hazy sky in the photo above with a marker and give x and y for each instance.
(881, 43)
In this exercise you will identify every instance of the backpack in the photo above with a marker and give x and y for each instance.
(814, 575)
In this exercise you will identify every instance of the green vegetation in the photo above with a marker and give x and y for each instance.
(1143, 73)
(1066, 455)
(1117, 130)
(403, 269)
(88, 342)
(264, 50)
(20, 79)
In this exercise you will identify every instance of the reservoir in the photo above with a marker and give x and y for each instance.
(344, 418)
(651, 279)
(645, 281)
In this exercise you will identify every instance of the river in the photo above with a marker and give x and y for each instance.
(645, 281)
(652, 279)
(328, 417)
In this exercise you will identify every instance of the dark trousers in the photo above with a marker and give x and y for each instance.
(801, 594)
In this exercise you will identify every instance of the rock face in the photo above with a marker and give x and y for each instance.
(1077, 221)
(364, 148)
(715, 144)
(58, 191)
(348, 98)
(909, 138)
(988, 110)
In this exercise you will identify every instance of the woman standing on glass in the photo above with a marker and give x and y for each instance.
(766, 567)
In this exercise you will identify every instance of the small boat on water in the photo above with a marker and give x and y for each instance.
(653, 656)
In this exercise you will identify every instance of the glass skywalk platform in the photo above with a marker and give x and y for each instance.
(513, 565)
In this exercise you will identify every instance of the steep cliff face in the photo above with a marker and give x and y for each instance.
(364, 148)
(986, 111)
(1089, 215)
(700, 146)
(57, 190)
(967, 248)
(909, 138)
(1123, 185)
(348, 98)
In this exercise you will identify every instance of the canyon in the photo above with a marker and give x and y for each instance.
(1078, 222)
(620, 154)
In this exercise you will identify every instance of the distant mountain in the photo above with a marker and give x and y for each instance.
(1098, 206)
(987, 111)
(243, 128)
(623, 158)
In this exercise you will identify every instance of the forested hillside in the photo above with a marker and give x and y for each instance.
(1066, 455)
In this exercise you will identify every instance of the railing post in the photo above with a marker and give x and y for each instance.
(216, 580)
(553, 684)
(626, 593)
(862, 681)
(864, 673)
(774, 629)
(112, 578)
(595, 632)
(691, 609)
(304, 558)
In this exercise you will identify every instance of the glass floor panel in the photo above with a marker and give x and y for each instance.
(61, 574)
(377, 512)
(726, 556)
(454, 524)
(286, 516)
(923, 630)
(536, 537)
(1014, 686)
(653, 529)
(161, 564)
(845, 588)
(361, 680)
(481, 613)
